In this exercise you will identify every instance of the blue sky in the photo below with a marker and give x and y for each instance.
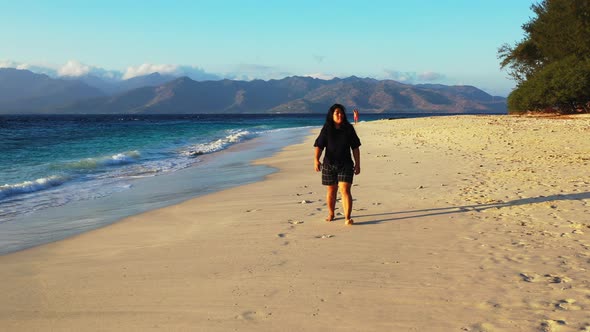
(412, 41)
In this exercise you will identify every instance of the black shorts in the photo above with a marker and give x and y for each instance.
(332, 174)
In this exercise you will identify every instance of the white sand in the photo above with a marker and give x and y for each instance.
(470, 223)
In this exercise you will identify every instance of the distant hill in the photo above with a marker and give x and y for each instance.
(154, 79)
(289, 95)
(116, 86)
(24, 91)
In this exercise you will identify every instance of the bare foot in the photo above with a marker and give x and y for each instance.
(330, 217)
(349, 221)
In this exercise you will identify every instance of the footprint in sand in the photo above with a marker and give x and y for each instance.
(556, 279)
(253, 210)
(480, 327)
(324, 236)
(551, 325)
(253, 315)
(553, 279)
(530, 277)
(567, 304)
(295, 222)
(281, 235)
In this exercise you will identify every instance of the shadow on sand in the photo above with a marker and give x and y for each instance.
(468, 208)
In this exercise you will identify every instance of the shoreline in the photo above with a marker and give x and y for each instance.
(146, 193)
(466, 222)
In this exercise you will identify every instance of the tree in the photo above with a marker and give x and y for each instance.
(550, 65)
(562, 86)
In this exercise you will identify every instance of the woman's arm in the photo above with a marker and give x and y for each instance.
(316, 163)
(356, 154)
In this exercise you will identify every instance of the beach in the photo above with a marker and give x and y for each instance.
(462, 223)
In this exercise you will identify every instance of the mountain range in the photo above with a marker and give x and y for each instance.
(24, 92)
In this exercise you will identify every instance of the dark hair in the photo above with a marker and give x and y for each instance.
(329, 124)
(330, 116)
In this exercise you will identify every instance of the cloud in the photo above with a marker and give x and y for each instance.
(244, 71)
(74, 68)
(321, 76)
(193, 72)
(197, 74)
(35, 68)
(248, 72)
(8, 64)
(148, 68)
(430, 76)
(250, 67)
(405, 77)
(413, 77)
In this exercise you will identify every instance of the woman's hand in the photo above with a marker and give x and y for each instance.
(357, 169)
(317, 165)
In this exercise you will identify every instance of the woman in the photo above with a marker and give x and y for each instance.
(339, 138)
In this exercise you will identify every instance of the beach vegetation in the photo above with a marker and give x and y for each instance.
(551, 64)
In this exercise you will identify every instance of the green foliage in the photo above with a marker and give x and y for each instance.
(563, 86)
(551, 64)
(523, 59)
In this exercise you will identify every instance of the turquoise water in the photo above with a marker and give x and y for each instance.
(62, 175)
(50, 161)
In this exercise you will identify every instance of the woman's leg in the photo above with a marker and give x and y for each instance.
(331, 201)
(346, 201)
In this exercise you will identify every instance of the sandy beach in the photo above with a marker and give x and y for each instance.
(463, 223)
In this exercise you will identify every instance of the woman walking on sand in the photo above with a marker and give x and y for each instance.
(355, 115)
(339, 138)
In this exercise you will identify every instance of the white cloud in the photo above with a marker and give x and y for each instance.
(74, 68)
(248, 72)
(196, 73)
(193, 72)
(245, 72)
(46, 69)
(321, 76)
(430, 76)
(14, 64)
(148, 68)
(8, 64)
(404, 77)
(413, 77)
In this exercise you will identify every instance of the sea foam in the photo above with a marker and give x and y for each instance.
(234, 136)
(8, 190)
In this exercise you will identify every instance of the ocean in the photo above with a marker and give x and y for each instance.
(63, 175)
